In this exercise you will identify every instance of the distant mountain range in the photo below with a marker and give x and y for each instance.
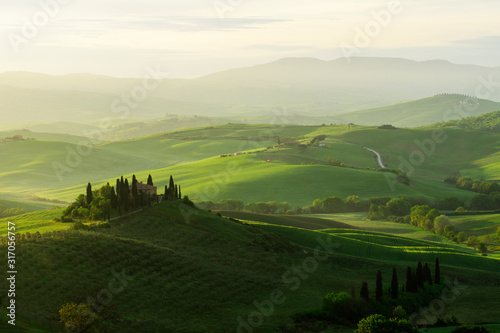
(305, 86)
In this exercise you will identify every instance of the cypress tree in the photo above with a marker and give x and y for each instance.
(408, 279)
(180, 195)
(171, 186)
(118, 195)
(414, 283)
(135, 194)
(150, 180)
(114, 198)
(165, 196)
(379, 289)
(420, 275)
(394, 284)
(90, 196)
(437, 274)
(126, 196)
(118, 190)
(427, 274)
(364, 291)
(176, 192)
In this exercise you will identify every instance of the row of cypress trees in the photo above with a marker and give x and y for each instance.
(415, 280)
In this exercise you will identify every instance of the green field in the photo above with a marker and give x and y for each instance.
(32, 222)
(202, 273)
(192, 156)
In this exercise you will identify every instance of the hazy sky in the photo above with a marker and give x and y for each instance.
(190, 38)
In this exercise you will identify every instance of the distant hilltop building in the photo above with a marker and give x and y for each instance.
(147, 189)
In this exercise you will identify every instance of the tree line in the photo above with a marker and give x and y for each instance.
(384, 310)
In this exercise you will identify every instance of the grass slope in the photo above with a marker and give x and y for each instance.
(249, 178)
(296, 175)
(205, 272)
(422, 112)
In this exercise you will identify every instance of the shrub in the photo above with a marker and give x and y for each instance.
(449, 203)
(440, 223)
(399, 207)
(377, 323)
(399, 313)
(342, 306)
(79, 318)
(188, 202)
(482, 202)
(79, 226)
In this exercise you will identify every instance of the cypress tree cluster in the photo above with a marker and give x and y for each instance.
(415, 280)
(172, 191)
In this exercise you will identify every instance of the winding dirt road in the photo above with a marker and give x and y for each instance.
(379, 159)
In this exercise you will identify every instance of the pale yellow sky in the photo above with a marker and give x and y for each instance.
(196, 37)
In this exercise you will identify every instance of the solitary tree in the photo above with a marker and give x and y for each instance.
(90, 196)
(150, 180)
(180, 196)
(379, 289)
(80, 317)
(482, 248)
(437, 273)
(462, 236)
(394, 284)
(473, 242)
(364, 291)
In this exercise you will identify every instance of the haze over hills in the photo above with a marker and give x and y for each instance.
(305, 86)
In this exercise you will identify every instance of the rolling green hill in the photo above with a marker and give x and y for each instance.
(489, 122)
(458, 151)
(203, 273)
(423, 111)
(297, 174)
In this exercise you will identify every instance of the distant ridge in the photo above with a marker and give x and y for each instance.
(308, 86)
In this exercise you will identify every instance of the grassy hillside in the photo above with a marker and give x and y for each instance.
(36, 221)
(251, 178)
(462, 152)
(489, 122)
(423, 111)
(202, 274)
(293, 174)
